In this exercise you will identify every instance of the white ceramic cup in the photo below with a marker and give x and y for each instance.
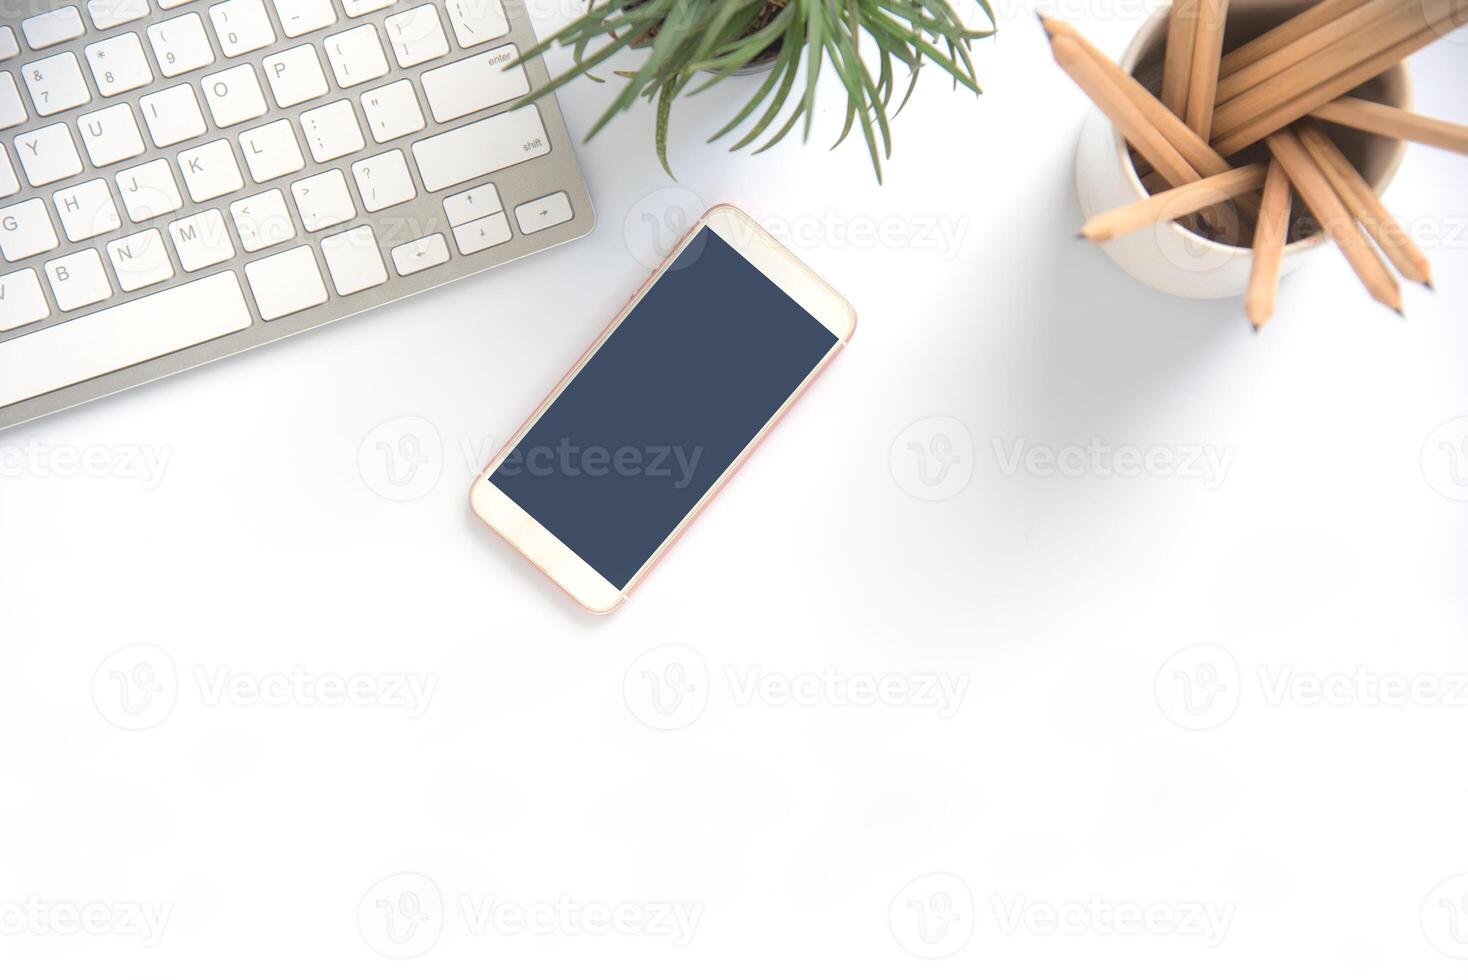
(1167, 256)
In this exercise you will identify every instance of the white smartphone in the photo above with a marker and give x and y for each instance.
(656, 416)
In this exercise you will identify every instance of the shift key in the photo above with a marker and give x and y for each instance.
(481, 148)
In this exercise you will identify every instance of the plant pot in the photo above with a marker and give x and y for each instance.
(1169, 257)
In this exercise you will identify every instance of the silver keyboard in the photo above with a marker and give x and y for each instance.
(181, 180)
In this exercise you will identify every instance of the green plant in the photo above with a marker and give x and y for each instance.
(686, 38)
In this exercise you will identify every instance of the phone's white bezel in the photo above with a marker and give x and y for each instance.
(562, 565)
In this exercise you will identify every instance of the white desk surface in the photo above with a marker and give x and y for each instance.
(1075, 821)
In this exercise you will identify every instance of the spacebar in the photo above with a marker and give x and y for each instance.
(121, 336)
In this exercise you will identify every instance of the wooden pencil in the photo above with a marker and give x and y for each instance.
(1322, 199)
(1270, 236)
(1232, 85)
(1307, 100)
(1311, 19)
(1207, 50)
(1259, 101)
(1193, 148)
(1362, 202)
(1173, 204)
(1385, 120)
(1177, 63)
(1122, 111)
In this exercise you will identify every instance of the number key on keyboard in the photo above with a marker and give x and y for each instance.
(118, 64)
(56, 84)
(181, 45)
(8, 47)
(242, 26)
(53, 28)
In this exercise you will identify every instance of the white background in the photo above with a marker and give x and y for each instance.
(1067, 781)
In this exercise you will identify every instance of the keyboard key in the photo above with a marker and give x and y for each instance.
(356, 56)
(286, 283)
(181, 45)
(56, 84)
(262, 220)
(114, 13)
(360, 8)
(332, 131)
(26, 230)
(477, 21)
(323, 200)
(416, 36)
(474, 84)
(21, 303)
(295, 76)
(354, 260)
(423, 254)
(542, 213)
(210, 171)
(48, 155)
(299, 17)
(201, 240)
(271, 151)
(481, 148)
(52, 28)
(78, 280)
(384, 180)
(242, 26)
(170, 4)
(173, 115)
(111, 135)
(8, 46)
(234, 96)
(12, 109)
(149, 191)
(9, 184)
(484, 233)
(481, 202)
(118, 64)
(140, 260)
(87, 210)
(392, 111)
(121, 336)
